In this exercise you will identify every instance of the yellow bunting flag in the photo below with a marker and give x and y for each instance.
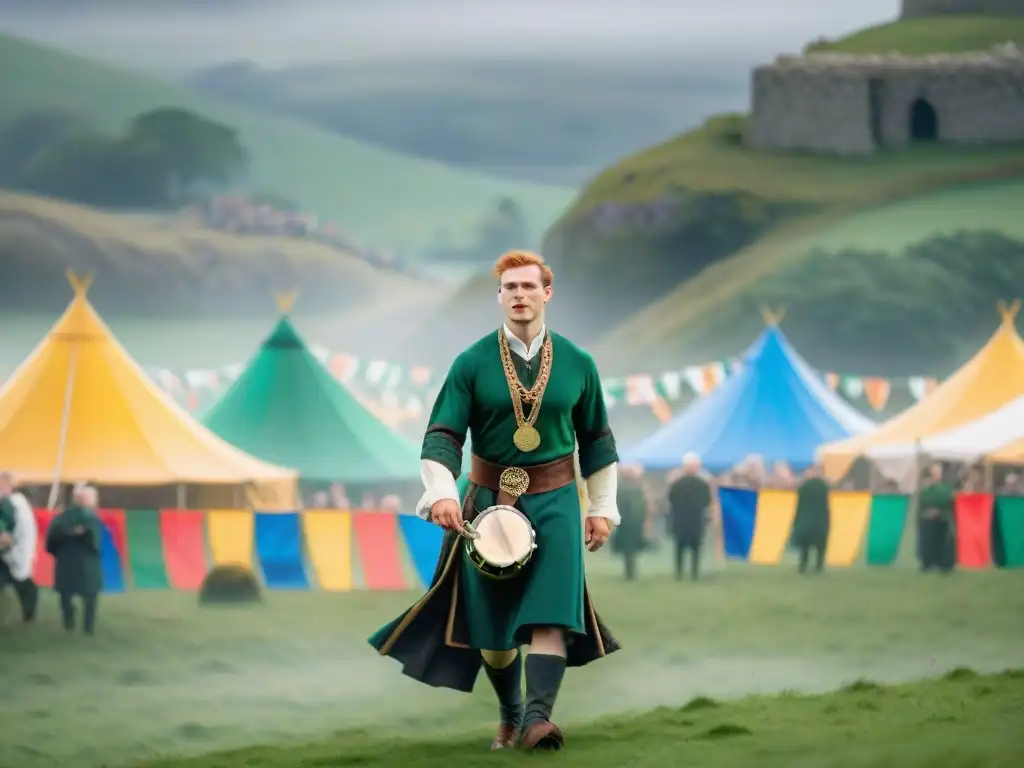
(231, 536)
(850, 512)
(329, 547)
(772, 525)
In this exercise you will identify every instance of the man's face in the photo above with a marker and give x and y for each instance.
(521, 294)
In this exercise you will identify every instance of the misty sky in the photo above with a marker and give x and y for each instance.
(702, 31)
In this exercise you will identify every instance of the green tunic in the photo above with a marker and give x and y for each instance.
(937, 496)
(551, 591)
(628, 538)
(812, 521)
(77, 568)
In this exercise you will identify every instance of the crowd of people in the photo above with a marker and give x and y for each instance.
(337, 497)
(683, 506)
(72, 538)
(243, 216)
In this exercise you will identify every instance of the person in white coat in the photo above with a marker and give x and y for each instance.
(18, 547)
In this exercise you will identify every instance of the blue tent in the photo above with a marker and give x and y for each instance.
(775, 406)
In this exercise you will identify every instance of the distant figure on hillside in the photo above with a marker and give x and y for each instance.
(628, 539)
(935, 531)
(813, 520)
(18, 546)
(74, 541)
(691, 499)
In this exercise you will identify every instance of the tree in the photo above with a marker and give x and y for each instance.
(196, 151)
(69, 169)
(26, 136)
(503, 230)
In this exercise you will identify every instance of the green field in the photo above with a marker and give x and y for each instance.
(380, 197)
(921, 37)
(294, 683)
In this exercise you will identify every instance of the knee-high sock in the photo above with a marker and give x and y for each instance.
(507, 682)
(544, 675)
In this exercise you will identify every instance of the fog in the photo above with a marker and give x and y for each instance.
(157, 35)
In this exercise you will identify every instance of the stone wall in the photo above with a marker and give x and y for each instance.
(846, 104)
(915, 9)
(811, 110)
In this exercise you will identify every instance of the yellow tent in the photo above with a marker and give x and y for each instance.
(1009, 454)
(989, 380)
(80, 409)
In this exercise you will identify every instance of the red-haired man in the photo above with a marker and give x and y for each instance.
(529, 399)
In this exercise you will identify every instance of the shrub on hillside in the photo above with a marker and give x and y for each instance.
(230, 584)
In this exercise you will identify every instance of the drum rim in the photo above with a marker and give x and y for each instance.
(483, 562)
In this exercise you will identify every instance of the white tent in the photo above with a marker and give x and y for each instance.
(966, 443)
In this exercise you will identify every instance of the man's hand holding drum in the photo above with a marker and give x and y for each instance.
(447, 513)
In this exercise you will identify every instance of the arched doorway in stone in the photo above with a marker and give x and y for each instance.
(924, 121)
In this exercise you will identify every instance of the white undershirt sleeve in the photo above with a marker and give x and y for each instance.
(438, 483)
(603, 489)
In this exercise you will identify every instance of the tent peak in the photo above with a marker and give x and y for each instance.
(771, 316)
(80, 285)
(1008, 310)
(285, 301)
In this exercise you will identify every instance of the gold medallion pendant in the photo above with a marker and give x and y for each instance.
(526, 438)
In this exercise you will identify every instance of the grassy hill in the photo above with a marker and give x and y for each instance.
(469, 113)
(921, 37)
(716, 313)
(185, 296)
(706, 214)
(381, 197)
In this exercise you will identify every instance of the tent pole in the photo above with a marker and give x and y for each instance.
(182, 495)
(65, 421)
(989, 470)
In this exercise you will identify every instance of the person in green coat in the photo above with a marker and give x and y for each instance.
(528, 398)
(935, 529)
(813, 519)
(73, 539)
(629, 539)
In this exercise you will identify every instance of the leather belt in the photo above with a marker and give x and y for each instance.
(512, 482)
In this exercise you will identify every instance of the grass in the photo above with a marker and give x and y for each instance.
(381, 197)
(709, 160)
(922, 37)
(883, 227)
(293, 683)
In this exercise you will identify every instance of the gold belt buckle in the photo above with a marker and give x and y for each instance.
(514, 481)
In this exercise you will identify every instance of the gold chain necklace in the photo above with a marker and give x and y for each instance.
(526, 437)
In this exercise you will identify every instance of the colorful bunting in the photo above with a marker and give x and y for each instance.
(377, 543)
(146, 550)
(885, 531)
(161, 549)
(974, 530)
(279, 549)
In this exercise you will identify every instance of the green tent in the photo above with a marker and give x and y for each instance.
(286, 408)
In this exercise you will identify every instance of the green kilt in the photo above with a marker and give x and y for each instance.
(438, 640)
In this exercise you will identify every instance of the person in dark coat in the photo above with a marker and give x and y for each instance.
(813, 519)
(691, 499)
(73, 539)
(629, 539)
(935, 530)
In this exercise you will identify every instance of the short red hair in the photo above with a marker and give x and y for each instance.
(517, 259)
